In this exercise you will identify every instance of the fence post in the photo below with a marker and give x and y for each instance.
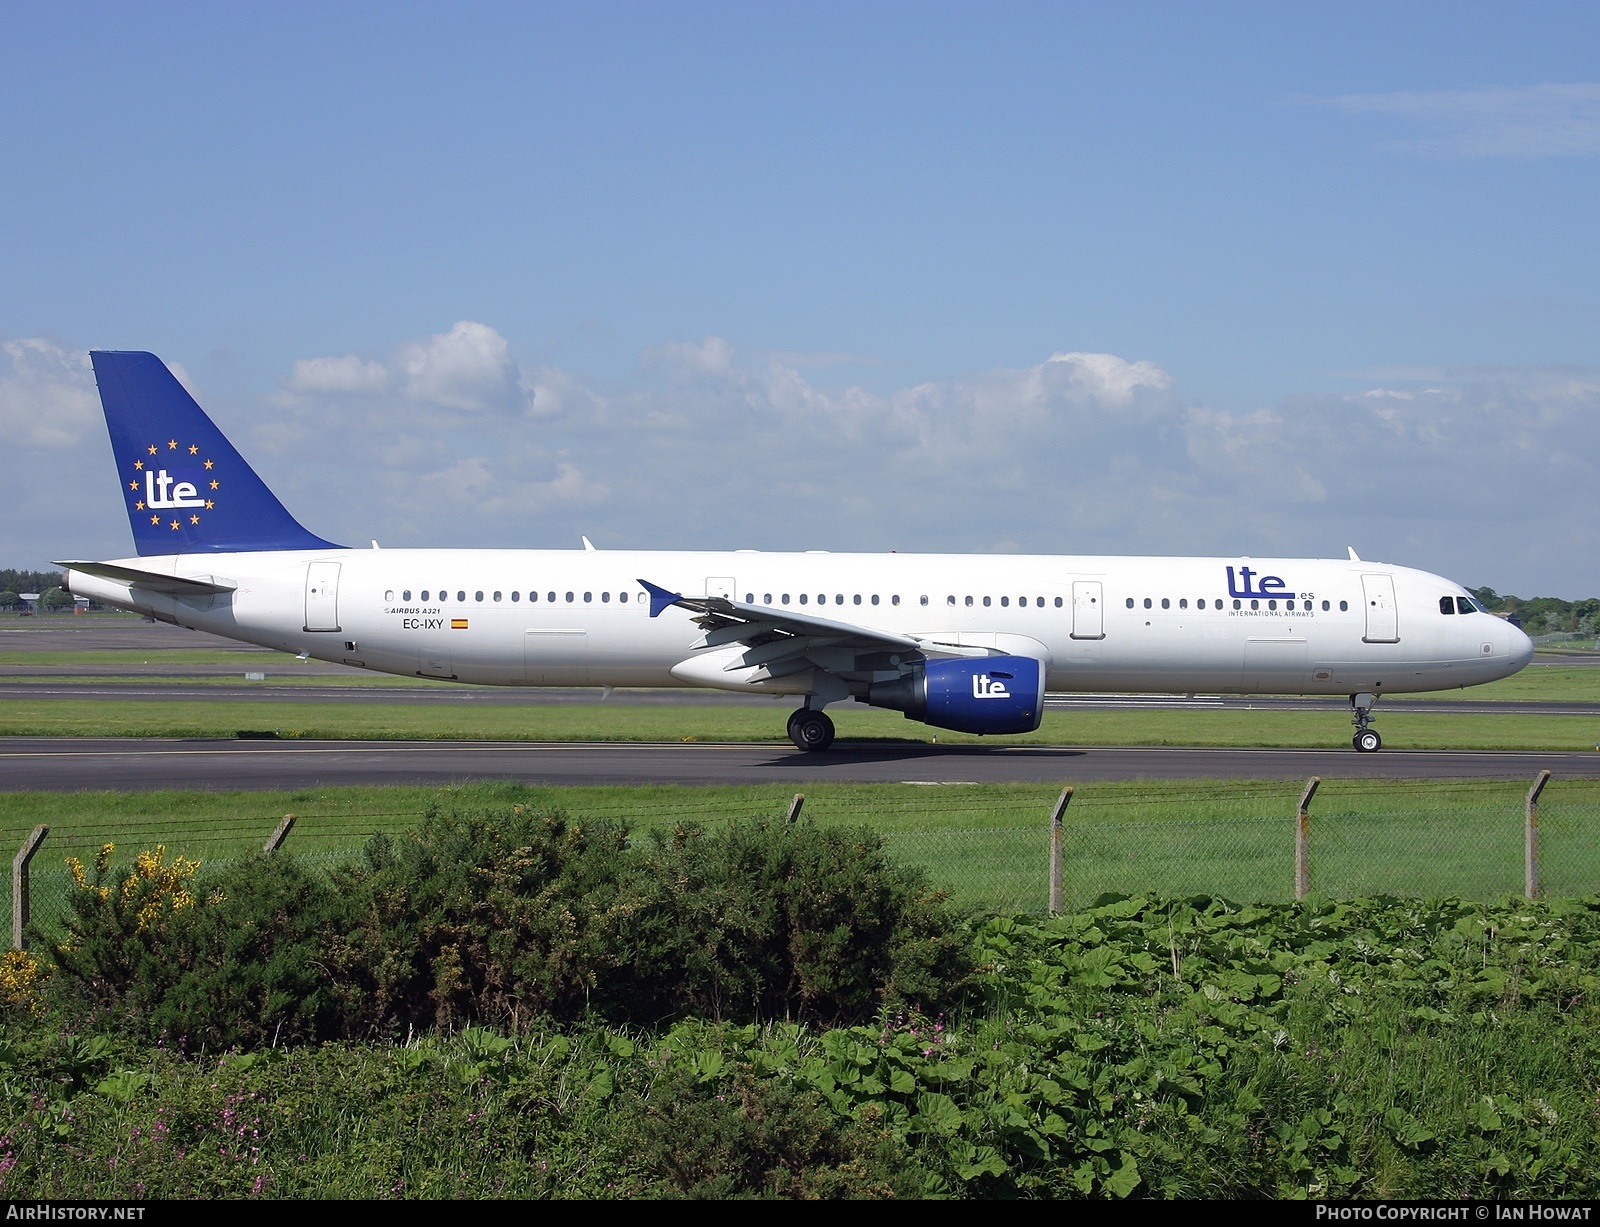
(1057, 851)
(795, 806)
(1530, 832)
(1302, 840)
(20, 911)
(281, 833)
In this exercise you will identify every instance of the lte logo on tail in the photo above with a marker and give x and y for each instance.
(988, 686)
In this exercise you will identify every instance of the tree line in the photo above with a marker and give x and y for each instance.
(1545, 615)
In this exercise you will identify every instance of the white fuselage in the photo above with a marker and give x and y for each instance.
(580, 618)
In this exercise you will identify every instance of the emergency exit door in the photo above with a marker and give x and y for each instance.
(1088, 610)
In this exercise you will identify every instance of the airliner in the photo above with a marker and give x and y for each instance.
(956, 641)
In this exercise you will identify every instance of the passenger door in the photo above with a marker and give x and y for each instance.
(1383, 615)
(322, 596)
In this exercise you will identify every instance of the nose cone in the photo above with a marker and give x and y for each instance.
(1517, 646)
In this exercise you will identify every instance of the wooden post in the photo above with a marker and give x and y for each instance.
(1530, 831)
(1057, 851)
(795, 807)
(1302, 840)
(20, 901)
(281, 833)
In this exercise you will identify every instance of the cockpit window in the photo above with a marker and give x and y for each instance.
(1447, 605)
(1468, 604)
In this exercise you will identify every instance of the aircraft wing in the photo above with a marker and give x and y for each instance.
(778, 642)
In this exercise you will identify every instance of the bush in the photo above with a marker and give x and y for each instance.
(507, 918)
(232, 961)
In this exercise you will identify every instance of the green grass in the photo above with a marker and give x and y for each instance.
(986, 843)
(622, 722)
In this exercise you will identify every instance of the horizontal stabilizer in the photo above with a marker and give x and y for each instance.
(175, 585)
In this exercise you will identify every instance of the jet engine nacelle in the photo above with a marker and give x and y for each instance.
(991, 694)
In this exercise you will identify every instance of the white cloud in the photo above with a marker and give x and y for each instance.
(47, 394)
(468, 368)
(348, 374)
(1535, 121)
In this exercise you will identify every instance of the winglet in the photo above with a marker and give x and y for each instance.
(1352, 550)
(660, 598)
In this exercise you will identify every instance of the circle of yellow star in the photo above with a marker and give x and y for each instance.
(174, 526)
(213, 485)
(193, 450)
(208, 464)
(172, 445)
(138, 464)
(194, 519)
(152, 449)
(139, 506)
(133, 485)
(210, 505)
(155, 519)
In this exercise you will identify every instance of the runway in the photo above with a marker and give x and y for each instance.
(71, 764)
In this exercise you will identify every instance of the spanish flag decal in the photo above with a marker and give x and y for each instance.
(458, 624)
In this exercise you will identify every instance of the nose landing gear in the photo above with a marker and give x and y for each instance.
(811, 730)
(1366, 740)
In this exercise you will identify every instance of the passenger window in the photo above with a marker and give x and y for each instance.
(949, 600)
(623, 597)
(1255, 604)
(1447, 605)
(1344, 606)
(516, 596)
(461, 596)
(1005, 602)
(857, 599)
(1130, 602)
(605, 598)
(874, 598)
(785, 598)
(551, 597)
(1464, 605)
(1058, 602)
(587, 597)
(766, 598)
(1147, 602)
(803, 598)
(569, 598)
(497, 596)
(1324, 607)
(838, 598)
(478, 595)
(1165, 603)
(424, 594)
(969, 600)
(406, 595)
(1183, 602)
(749, 598)
(1272, 604)
(1236, 604)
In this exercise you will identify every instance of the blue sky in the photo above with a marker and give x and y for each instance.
(793, 276)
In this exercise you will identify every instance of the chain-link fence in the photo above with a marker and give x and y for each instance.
(992, 849)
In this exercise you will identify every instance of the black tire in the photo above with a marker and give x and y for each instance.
(811, 730)
(1368, 742)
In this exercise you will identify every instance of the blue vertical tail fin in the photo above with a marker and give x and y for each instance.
(186, 488)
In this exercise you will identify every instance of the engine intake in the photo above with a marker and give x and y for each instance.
(995, 694)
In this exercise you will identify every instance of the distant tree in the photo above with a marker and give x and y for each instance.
(56, 598)
(1490, 598)
(9, 599)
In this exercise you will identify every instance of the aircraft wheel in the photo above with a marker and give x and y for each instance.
(811, 730)
(1368, 742)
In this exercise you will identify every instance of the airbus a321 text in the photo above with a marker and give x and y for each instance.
(957, 641)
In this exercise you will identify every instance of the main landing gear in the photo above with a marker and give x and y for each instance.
(1366, 740)
(811, 730)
